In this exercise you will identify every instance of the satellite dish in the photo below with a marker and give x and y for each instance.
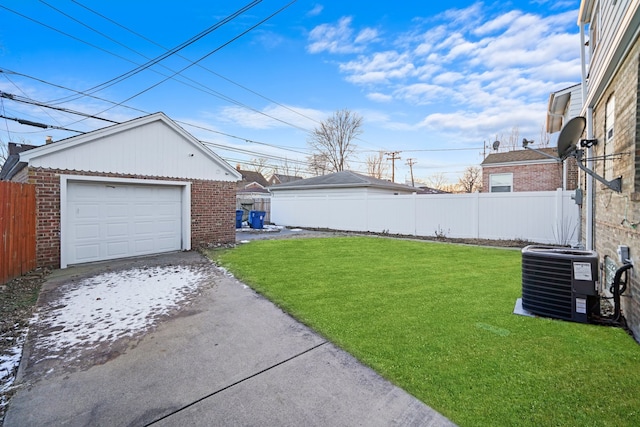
(570, 136)
(495, 145)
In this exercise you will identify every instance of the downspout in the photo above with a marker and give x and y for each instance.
(588, 194)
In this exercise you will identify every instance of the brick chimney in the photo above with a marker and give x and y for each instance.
(48, 139)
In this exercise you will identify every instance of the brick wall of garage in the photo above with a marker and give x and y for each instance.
(212, 211)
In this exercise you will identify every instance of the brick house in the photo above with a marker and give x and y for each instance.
(136, 188)
(612, 112)
(526, 170)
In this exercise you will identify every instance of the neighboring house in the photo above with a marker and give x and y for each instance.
(278, 178)
(612, 112)
(564, 105)
(13, 165)
(304, 202)
(526, 170)
(345, 182)
(423, 189)
(251, 182)
(252, 194)
(141, 187)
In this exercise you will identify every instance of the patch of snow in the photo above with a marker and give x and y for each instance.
(224, 271)
(296, 229)
(245, 241)
(9, 363)
(111, 306)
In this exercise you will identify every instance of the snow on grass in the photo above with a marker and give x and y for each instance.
(111, 306)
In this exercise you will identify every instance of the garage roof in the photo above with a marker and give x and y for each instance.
(344, 179)
(152, 145)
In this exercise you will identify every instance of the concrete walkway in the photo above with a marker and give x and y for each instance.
(232, 358)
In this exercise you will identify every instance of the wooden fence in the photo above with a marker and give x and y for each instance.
(17, 229)
(254, 203)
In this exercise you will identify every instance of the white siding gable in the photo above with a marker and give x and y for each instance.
(149, 146)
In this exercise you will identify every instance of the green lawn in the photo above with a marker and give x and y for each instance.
(436, 319)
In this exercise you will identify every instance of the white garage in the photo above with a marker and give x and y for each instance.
(107, 220)
(141, 187)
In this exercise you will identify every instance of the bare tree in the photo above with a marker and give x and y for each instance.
(471, 180)
(288, 168)
(318, 164)
(333, 139)
(544, 137)
(437, 181)
(260, 165)
(4, 152)
(514, 138)
(376, 165)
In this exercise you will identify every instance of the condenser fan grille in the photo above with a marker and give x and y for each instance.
(546, 286)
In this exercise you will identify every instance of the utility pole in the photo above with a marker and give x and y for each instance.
(410, 163)
(393, 158)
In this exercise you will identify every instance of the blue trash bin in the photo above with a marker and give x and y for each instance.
(256, 219)
(239, 213)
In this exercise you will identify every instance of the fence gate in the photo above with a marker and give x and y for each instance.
(17, 229)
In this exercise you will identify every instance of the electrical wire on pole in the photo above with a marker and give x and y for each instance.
(410, 163)
(393, 158)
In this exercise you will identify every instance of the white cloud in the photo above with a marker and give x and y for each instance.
(422, 93)
(448, 78)
(379, 97)
(340, 38)
(317, 10)
(380, 67)
(473, 74)
(498, 23)
(270, 117)
(367, 35)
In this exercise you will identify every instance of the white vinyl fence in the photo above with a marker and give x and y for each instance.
(548, 217)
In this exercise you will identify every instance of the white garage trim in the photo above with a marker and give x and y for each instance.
(65, 257)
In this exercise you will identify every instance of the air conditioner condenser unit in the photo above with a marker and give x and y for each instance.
(560, 283)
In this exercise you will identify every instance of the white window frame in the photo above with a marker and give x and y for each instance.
(505, 177)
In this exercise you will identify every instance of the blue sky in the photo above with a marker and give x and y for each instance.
(435, 81)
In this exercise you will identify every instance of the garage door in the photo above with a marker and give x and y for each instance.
(107, 221)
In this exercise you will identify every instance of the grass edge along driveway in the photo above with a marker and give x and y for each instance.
(436, 319)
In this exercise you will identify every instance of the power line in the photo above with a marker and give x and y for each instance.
(207, 55)
(199, 65)
(170, 52)
(37, 124)
(174, 74)
(25, 100)
(5, 71)
(393, 158)
(410, 163)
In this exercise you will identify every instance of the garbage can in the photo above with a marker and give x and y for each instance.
(239, 213)
(256, 219)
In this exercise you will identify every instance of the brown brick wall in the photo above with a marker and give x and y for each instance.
(540, 177)
(617, 215)
(212, 211)
(213, 206)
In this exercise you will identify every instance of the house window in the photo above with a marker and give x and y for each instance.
(501, 182)
(609, 134)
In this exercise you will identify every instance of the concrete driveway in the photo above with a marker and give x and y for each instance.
(226, 356)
